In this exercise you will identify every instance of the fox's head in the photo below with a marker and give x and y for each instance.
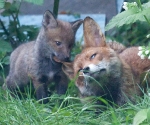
(96, 65)
(57, 37)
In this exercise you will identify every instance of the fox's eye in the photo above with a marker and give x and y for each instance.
(93, 56)
(58, 43)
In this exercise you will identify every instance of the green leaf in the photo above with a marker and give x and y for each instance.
(2, 55)
(5, 46)
(140, 117)
(148, 115)
(129, 16)
(38, 2)
(2, 3)
(146, 5)
(6, 60)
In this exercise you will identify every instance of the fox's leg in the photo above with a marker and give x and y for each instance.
(41, 91)
(61, 81)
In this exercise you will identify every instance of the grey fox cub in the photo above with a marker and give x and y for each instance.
(34, 60)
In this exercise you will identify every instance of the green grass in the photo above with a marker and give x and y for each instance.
(70, 111)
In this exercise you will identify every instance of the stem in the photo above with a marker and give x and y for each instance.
(140, 5)
(16, 23)
(14, 18)
(8, 35)
(55, 8)
(17, 13)
(3, 27)
(147, 19)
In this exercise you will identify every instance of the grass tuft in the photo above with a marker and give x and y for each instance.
(68, 111)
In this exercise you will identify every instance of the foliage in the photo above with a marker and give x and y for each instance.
(13, 31)
(2, 3)
(4, 48)
(38, 2)
(133, 33)
(144, 52)
(134, 13)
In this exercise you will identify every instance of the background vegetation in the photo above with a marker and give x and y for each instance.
(132, 33)
(68, 111)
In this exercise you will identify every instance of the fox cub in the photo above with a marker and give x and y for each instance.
(109, 70)
(34, 60)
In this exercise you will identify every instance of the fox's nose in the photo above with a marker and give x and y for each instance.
(86, 70)
(66, 59)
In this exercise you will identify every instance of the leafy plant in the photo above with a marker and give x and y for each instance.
(135, 12)
(134, 31)
(4, 49)
(38, 2)
(131, 34)
(2, 3)
(14, 32)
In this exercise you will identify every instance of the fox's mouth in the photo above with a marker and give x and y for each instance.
(60, 58)
(56, 59)
(94, 77)
(93, 74)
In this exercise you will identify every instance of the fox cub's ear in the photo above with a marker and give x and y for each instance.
(49, 20)
(76, 24)
(67, 68)
(93, 36)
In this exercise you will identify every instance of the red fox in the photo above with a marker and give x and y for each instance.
(34, 60)
(107, 70)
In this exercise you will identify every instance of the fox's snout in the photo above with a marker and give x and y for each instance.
(62, 56)
(93, 69)
(66, 58)
(86, 70)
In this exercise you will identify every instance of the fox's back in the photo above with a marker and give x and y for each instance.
(19, 63)
(22, 53)
(138, 65)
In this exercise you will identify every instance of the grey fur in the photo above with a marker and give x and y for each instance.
(34, 60)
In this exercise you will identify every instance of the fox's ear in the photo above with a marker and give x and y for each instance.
(93, 36)
(49, 20)
(67, 68)
(76, 24)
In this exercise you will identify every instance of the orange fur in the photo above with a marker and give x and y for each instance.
(115, 68)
